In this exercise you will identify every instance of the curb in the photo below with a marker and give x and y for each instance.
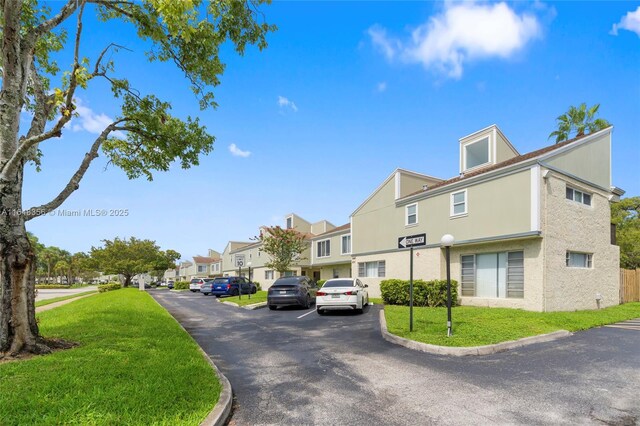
(467, 350)
(219, 415)
(249, 307)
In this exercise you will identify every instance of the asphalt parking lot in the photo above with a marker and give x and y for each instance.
(292, 366)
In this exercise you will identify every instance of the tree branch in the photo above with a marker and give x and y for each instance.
(26, 144)
(65, 12)
(74, 182)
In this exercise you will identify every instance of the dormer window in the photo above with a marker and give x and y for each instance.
(476, 153)
(290, 222)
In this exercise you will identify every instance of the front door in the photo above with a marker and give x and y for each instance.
(316, 275)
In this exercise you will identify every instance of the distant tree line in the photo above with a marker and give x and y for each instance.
(124, 257)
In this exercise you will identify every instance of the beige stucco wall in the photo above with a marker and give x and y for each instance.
(533, 270)
(591, 161)
(496, 207)
(426, 266)
(335, 250)
(503, 150)
(568, 225)
(410, 183)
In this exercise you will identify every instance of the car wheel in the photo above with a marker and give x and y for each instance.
(307, 302)
(320, 311)
(217, 296)
(234, 292)
(272, 307)
(254, 290)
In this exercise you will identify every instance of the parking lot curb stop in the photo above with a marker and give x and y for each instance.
(467, 350)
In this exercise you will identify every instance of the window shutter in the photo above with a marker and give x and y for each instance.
(361, 269)
(381, 268)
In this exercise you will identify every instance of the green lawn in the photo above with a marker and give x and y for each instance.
(484, 326)
(61, 298)
(376, 300)
(134, 365)
(260, 296)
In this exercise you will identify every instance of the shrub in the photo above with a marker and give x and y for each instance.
(50, 286)
(109, 287)
(181, 285)
(425, 293)
(320, 283)
(258, 285)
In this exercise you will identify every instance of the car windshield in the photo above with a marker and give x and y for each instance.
(195, 280)
(220, 280)
(338, 283)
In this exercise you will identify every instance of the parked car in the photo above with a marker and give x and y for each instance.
(342, 293)
(170, 285)
(196, 283)
(292, 291)
(228, 286)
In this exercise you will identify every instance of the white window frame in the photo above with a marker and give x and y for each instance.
(406, 214)
(451, 204)
(286, 222)
(327, 252)
(588, 258)
(342, 237)
(489, 153)
(380, 265)
(580, 191)
(202, 268)
(269, 274)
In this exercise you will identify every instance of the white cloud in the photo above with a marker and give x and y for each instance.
(88, 120)
(237, 152)
(629, 22)
(381, 87)
(462, 32)
(286, 103)
(388, 46)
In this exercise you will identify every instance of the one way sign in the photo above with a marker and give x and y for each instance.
(412, 241)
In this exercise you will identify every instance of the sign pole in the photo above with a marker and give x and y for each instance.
(411, 289)
(449, 331)
(239, 285)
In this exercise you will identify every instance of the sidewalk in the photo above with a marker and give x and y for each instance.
(62, 302)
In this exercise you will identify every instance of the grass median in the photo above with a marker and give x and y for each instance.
(134, 365)
(61, 298)
(474, 326)
(260, 296)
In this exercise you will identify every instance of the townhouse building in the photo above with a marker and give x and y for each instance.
(532, 231)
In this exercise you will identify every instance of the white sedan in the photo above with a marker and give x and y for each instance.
(342, 293)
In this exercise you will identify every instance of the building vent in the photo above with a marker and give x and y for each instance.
(425, 187)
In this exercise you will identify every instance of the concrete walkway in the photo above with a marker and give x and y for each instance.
(50, 293)
(60, 303)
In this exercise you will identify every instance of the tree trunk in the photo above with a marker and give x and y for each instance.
(127, 280)
(18, 327)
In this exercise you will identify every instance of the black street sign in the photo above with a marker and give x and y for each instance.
(412, 241)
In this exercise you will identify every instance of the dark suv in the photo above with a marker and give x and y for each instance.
(228, 286)
(292, 291)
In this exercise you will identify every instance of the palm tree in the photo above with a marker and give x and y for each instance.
(579, 120)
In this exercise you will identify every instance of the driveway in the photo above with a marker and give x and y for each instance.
(50, 293)
(295, 367)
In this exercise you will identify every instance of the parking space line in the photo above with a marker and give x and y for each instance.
(304, 315)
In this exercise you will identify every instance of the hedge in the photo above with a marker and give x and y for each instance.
(109, 287)
(320, 283)
(425, 293)
(50, 286)
(181, 285)
(258, 285)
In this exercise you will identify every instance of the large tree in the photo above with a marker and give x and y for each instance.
(626, 216)
(283, 246)
(132, 257)
(578, 121)
(143, 137)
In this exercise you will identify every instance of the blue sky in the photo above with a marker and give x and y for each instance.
(345, 93)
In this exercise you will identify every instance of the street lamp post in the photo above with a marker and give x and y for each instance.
(249, 276)
(447, 241)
